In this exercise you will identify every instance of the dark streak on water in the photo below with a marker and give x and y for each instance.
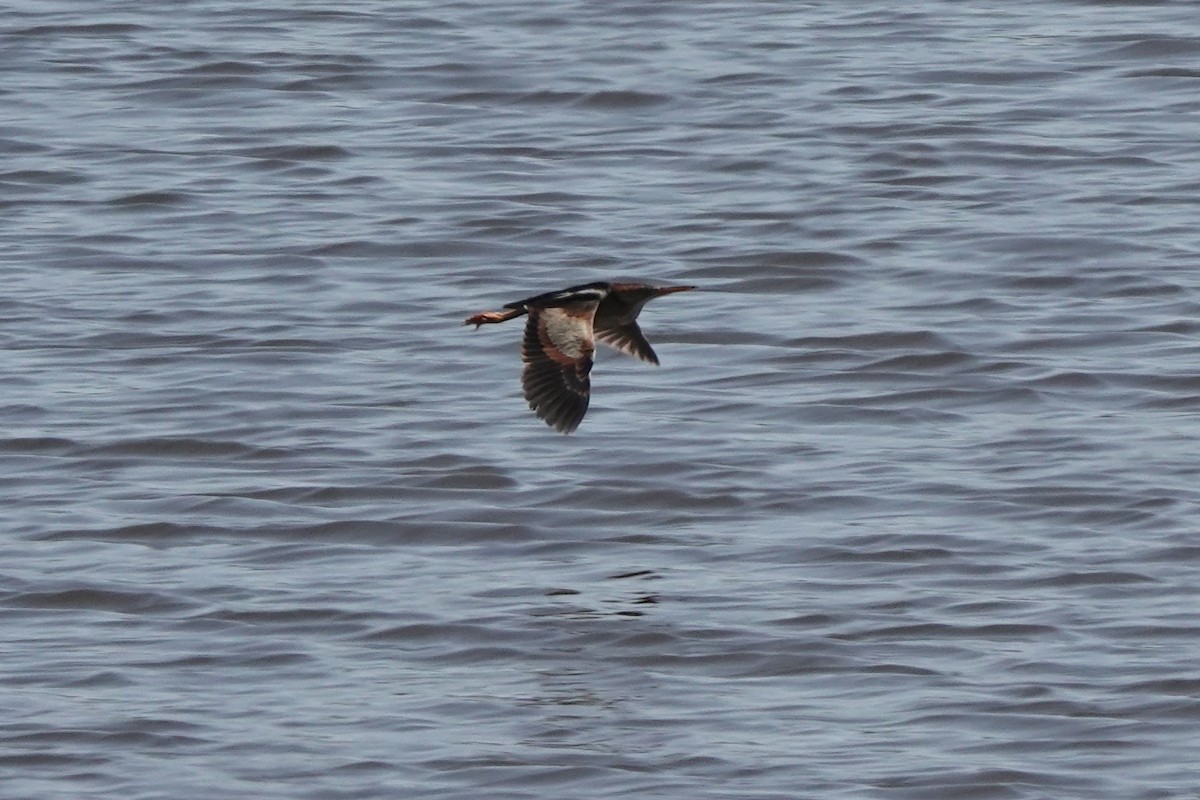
(910, 511)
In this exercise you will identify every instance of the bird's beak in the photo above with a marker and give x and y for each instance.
(662, 290)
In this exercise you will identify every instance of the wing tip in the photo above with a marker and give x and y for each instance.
(563, 412)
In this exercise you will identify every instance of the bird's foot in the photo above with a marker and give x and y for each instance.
(487, 317)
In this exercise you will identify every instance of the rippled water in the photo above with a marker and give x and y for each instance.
(909, 511)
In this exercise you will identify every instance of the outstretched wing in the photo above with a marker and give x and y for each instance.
(557, 350)
(629, 340)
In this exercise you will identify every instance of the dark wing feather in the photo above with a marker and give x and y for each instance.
(629, 340)
(557, 350)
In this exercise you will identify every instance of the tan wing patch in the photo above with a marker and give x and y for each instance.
(557, 350)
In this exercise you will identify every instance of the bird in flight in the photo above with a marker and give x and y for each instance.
(561, 335)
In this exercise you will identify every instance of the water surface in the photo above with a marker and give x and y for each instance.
(909, 511)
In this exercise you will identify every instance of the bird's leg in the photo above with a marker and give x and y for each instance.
(486, 317)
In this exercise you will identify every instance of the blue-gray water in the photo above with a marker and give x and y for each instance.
(911, 509)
